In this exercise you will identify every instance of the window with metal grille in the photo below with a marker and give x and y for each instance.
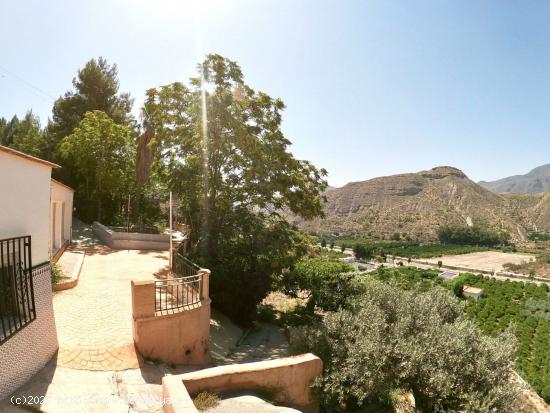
(17, 306)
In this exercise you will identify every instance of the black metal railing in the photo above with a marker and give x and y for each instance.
(178, 293)
(17, 306)
(182, 266)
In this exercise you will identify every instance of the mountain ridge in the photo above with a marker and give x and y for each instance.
(535, 181)
(416, 204)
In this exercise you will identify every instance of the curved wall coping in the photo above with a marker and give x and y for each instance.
(290, 376)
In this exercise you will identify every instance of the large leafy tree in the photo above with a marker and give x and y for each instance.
(218, 143)
(105, 154)
(390, 340)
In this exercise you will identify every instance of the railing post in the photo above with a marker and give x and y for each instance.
(205, 283)
(143, 299)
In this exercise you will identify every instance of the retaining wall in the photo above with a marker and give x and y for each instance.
(131, 240)
(180, 337)
(28, 351)
(288, 378)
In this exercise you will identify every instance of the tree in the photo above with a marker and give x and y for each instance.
(27, 136)
(96, 87)
(323, 243)
(103, 154)
(327, 283)
(343, 247)
(362, 252)
(391, 339)
(331, 245)
(7, 130)
(439, 263)
(218, 144)
(474, 235)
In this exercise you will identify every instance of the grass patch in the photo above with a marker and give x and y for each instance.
(206, 400)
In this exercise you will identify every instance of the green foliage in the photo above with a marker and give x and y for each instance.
(248, 262)
(504, 303)
(96, 87)
(24, 135)
(56, 273)
(408, 277)
(471, 235)
(332, 254)
(415, 250)
(323, 243)
(392, 339)
(328, 283)
(363, 252)
(538, 236)
(104, 166)
(233, 176)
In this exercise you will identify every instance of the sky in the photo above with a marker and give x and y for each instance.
(371, 88)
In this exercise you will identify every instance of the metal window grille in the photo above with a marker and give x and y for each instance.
(17, 306)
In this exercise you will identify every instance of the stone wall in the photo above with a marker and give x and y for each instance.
(28, 351)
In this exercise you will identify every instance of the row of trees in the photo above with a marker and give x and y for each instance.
(215, 142)
(472, 235)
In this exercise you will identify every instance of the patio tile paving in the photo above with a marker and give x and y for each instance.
(94, 319)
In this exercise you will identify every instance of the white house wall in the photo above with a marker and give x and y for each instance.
(25, 202)
(62, 195)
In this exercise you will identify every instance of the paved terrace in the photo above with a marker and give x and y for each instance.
(94, 319)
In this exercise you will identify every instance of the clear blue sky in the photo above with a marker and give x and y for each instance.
(371, 87)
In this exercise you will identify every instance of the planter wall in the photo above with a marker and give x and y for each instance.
(131, 240)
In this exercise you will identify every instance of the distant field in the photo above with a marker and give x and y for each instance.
(486, 260)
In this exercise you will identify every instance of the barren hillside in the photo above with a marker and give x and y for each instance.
(416, 204)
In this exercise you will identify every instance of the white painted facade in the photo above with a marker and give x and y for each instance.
(25, 194)
(25, 201)
(61, 222)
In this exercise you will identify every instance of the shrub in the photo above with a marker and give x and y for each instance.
(391, 339)
(55, 272)
(206, 400)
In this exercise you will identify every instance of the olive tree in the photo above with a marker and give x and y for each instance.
(391, 339)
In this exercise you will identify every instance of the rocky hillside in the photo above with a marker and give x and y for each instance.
(536, 181)
(416, 204)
